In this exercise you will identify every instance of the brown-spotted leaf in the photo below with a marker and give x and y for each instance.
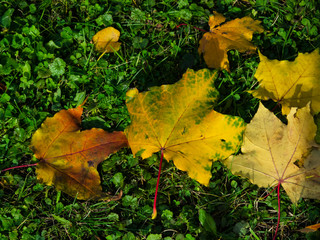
(68, 157)
(235, 34)
(179, 119)
(290, 83)
(106, 40)
(271, 149)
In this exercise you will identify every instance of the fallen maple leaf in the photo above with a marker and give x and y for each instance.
(311, 228)
(69, 158)
(178, 120)
(106, 40)
(223, 37)
(291, 84)
(270, 150)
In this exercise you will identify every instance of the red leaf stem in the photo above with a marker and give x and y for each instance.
(21, 166)
(154, 213)
(270, 192)
(278, 222)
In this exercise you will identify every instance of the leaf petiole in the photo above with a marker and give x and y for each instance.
(21, 166)
(270, 192)
(278, 222)
(154, 213)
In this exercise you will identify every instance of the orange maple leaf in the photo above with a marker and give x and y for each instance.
(69, 157)
(223, 37)
(311, 228)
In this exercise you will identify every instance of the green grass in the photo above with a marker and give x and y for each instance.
(47, 63)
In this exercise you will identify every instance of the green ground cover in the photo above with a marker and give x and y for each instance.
(48, 63)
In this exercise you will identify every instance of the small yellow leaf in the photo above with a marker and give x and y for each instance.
(106, 40)
(290, 83)
(235, 34)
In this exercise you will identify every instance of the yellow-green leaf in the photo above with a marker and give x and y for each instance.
(290, 83)
(106, 40)
(235, 34)
(179, 119)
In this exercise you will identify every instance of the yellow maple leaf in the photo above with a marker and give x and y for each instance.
(69, 158)
(106, 40)
(235, 34)
(271, 148)
(178, 120)
(291, 84)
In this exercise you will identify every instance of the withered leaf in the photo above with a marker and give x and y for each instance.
(68, 157)
(235, 34)
(271, 149)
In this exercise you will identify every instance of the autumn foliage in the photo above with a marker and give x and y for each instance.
(68, 157)
(178, 121)
(270, 151)
(290, 83)
(106, 40)
(224, 36)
